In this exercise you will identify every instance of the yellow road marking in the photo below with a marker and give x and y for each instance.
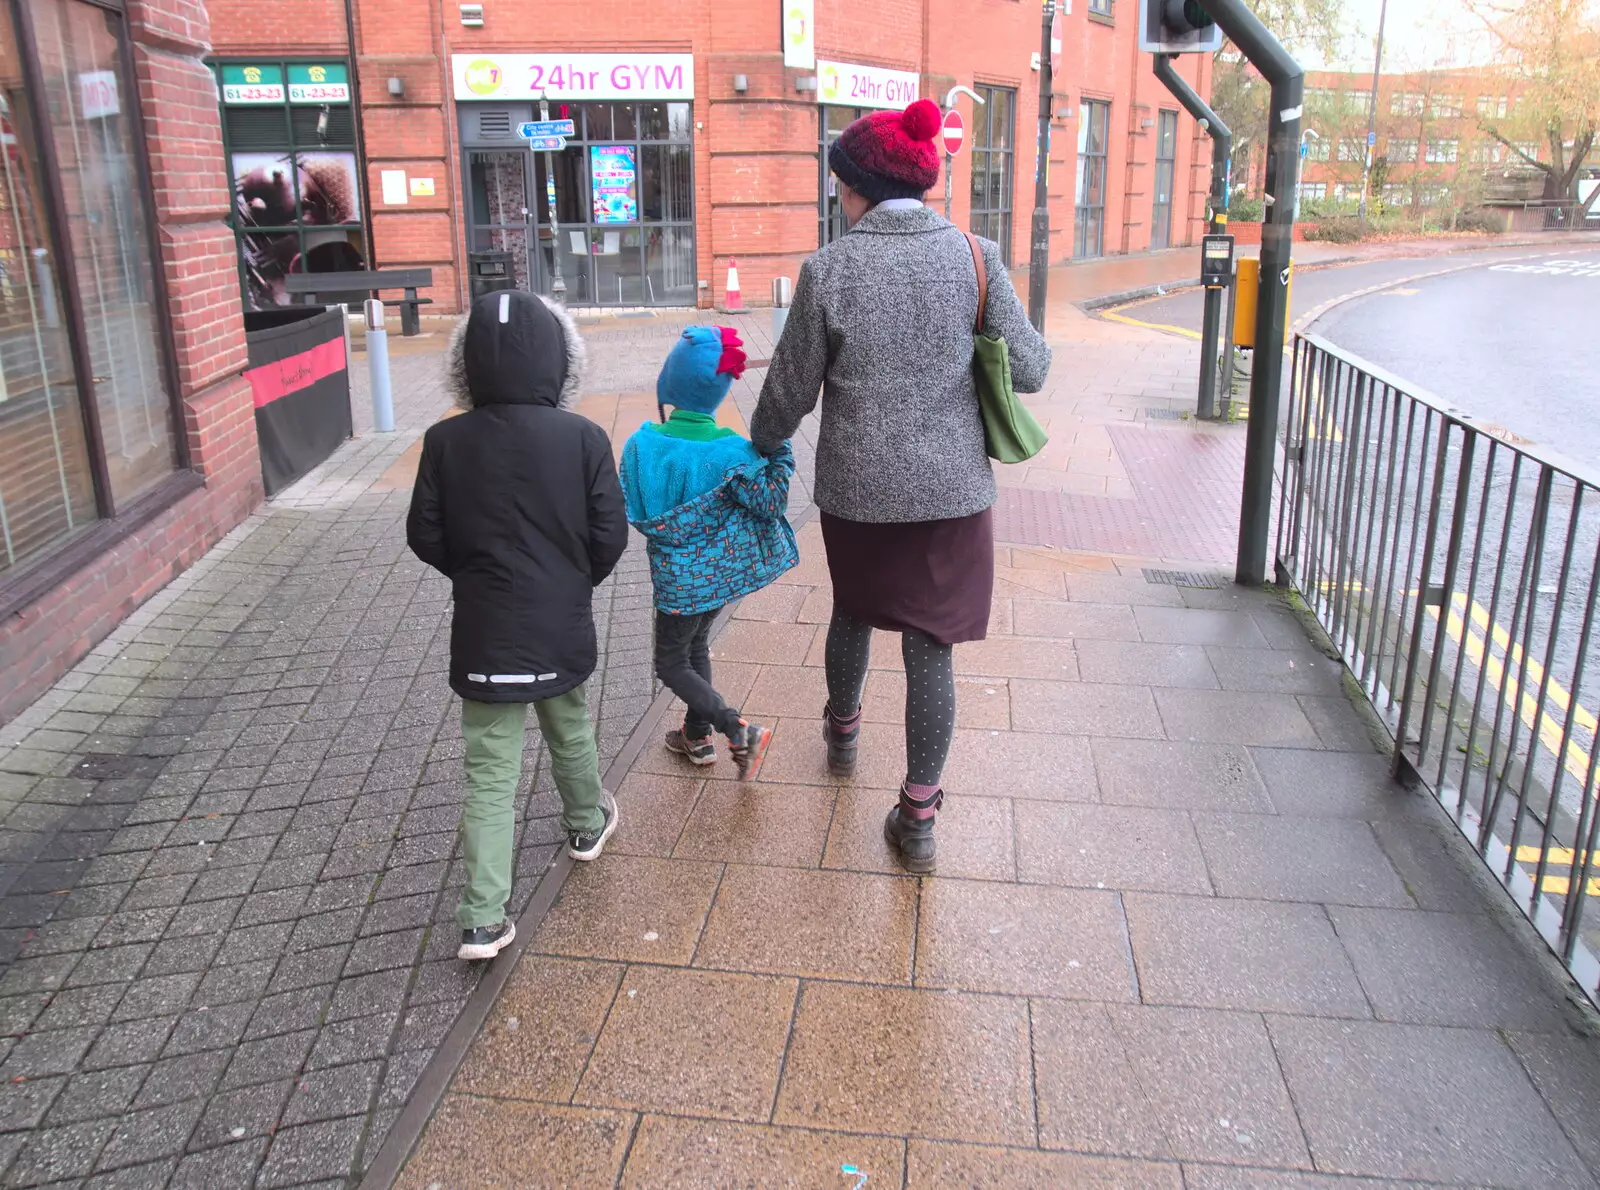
(1559, 885)
(1560, 856)
(1154, 326)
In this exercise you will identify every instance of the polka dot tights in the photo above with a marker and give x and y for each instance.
(930, 691)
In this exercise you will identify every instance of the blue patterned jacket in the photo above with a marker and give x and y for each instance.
(725, 543)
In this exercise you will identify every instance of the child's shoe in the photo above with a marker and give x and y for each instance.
(749, 748)
(696, 752)
(587, 845)
(484, 942)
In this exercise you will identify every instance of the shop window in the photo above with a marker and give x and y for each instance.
(1166, 172)
(87, 423)
(623, 197)
(289, 134)
(994, 165)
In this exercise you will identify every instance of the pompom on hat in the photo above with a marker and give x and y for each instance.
(888, 154)
(701, 368)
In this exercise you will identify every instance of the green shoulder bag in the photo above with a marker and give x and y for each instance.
(1010, 433)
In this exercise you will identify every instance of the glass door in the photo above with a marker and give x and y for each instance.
(1166, 156)
(831, 120)
(497, 189)
(993, 166)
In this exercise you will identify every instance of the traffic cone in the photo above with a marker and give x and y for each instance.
(731, 301)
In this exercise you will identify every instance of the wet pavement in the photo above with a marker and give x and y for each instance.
(229, 866)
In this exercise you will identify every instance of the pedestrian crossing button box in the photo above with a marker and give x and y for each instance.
(1216, 261)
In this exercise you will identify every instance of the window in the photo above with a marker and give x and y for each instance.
(1353, 150)
(1406, 103)
(1316, 148)
(1320, 97)
(1528, 149)
(1397, 194)
(1166, 164)
(1442, 152)
(1313, 191)
(1100, 8)
(87, 421)
(1492, 105)
(1402, 151)
(1487, 153)
(1357, 101)
(1094, 121)
(994, 165)
(290, 136)
(1346, 191)
(1446, 106)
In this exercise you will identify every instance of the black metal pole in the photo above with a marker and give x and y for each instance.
(1272, 301)
(1221, 159)
(1039, 256)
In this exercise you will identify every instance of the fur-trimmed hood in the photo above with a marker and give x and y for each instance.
(516, 348)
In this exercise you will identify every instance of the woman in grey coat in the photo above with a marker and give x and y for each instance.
(882, 325)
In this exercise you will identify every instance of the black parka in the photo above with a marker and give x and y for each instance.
(517, 502)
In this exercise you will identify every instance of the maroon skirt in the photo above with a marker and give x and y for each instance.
(936, 577)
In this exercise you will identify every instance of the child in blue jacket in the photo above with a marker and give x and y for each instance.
(712, 512)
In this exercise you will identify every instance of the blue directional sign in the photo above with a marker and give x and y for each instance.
(1372, 139)
(538, 129)
(547, 144)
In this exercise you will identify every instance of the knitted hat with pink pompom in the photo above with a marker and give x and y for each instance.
(888, 155)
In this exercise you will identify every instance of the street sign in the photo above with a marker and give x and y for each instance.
(547, 128)
(1372, 139)
(954, 132)
(547, 144)
(1057, 24)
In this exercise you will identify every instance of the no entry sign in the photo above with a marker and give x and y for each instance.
(954, 132)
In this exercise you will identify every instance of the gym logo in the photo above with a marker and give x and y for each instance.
(830, 83)
(482, 77)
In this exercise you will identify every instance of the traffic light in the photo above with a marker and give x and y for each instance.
(1177, 27)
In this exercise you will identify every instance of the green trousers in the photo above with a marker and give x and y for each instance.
(494, 732)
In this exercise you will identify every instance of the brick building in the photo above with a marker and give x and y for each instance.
(1431, 150)
(127, 440)
(692, 144)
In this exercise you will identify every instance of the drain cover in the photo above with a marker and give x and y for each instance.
(1209, 580)
(1165, 415)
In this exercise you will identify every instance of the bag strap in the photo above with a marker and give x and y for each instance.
(983, 278)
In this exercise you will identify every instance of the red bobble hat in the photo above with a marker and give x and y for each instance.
(888, 155)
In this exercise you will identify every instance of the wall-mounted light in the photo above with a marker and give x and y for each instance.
(806, 83)
(397, 87)
(472, 15)
(741, 83)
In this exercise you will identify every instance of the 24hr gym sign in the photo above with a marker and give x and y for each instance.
(573, 76)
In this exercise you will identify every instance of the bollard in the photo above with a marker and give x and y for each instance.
(782, 298)
(378, 368)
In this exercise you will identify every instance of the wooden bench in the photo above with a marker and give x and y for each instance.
(352, 287)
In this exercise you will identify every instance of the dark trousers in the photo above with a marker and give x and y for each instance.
(683, 663)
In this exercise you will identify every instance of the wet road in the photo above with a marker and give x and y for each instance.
(1520, 349)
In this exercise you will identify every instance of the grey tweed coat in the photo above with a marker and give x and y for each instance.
(882, 324)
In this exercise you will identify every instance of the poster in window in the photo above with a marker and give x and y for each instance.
(329, 195)
(614, 182)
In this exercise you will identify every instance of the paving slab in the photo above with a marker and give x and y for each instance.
(1431, 1104)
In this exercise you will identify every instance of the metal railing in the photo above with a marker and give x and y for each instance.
(1456, 568)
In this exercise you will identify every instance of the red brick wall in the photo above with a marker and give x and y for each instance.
(755, 153)
(49, 636)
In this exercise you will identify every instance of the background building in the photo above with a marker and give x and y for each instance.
(693, 142)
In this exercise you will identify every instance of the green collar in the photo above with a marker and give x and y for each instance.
(696, 427)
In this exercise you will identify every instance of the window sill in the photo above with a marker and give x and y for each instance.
(37, 578)
(1102, 18)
